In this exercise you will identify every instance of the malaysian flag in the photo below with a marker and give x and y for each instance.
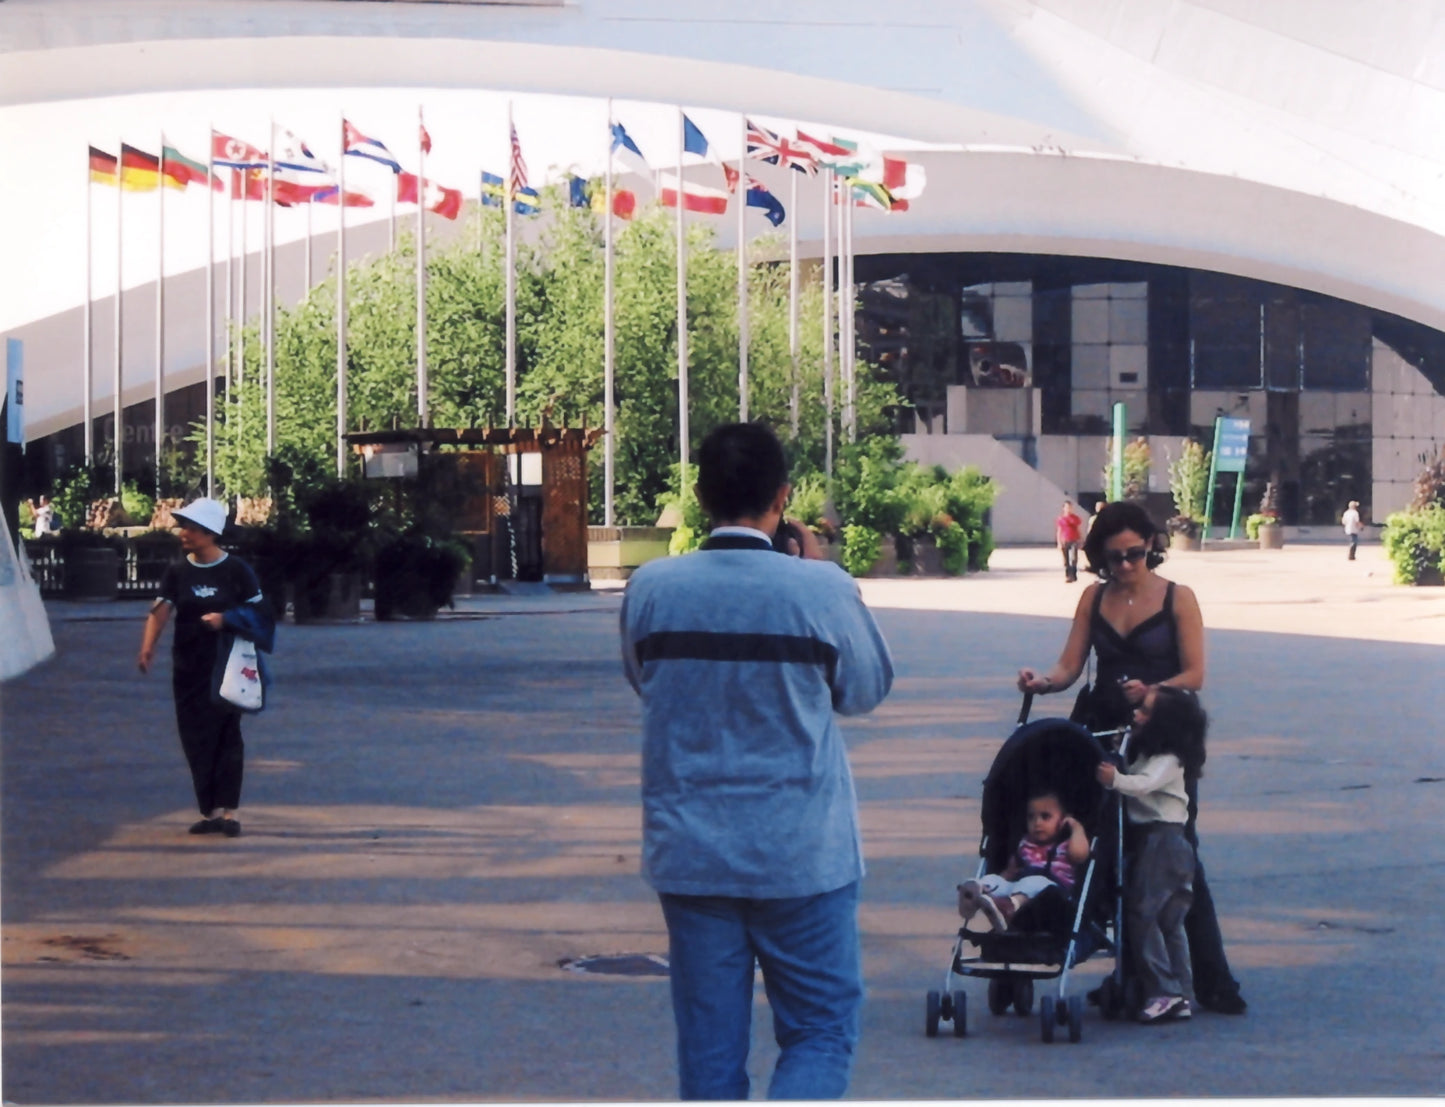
(774, 149)
(517, 181)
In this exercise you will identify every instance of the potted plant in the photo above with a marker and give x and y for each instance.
(1265, 524)
(1189, 485)
(91, 562)
(415, 575)
(325, 565)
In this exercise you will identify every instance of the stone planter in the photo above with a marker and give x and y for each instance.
(613, 553)
(335, 597)
(927, 558)
(92, 573)
(1430, 577)
(1271, 536)
(887, 563)
(404, 596)
(1190, 542)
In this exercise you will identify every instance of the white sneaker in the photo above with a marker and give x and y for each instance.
(1163, 1007)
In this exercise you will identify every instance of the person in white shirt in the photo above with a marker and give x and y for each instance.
(1166, 753)
(1353, 527)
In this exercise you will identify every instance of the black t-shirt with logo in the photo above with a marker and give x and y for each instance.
(195, 590)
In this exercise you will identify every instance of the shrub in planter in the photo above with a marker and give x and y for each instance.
(92, 564)
(1415, 543)
(952, 542)
(415, 575)
(861, 547)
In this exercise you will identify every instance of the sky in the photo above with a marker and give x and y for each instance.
(44, 186)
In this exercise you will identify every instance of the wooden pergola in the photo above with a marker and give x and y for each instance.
(547, 540)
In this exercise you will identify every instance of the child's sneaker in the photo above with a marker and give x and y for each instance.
(970, 894)
(1185, 1010)
(998, 909)
(1163, 1007)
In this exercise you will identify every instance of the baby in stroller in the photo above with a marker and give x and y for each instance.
(1052, 845)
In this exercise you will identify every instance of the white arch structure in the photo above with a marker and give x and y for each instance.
(1296, 141)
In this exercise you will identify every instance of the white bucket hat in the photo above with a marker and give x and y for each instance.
(205, 512)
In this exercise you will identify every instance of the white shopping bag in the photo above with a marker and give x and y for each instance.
(241, 682)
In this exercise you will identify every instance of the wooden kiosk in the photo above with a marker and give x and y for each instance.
(518, 495)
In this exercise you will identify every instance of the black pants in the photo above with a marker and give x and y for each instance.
(1201, 925)
(211, 738)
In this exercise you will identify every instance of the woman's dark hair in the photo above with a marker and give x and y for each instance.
(1115, 518)
(740, 467)
(1176, 725)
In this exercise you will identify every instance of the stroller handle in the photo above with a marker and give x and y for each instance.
(1024, 710)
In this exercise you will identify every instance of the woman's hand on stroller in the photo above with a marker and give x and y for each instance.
(1030, 681)
(1105, 774)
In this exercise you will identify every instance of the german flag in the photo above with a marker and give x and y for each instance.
(141, 172)
(181, 171)
(102, 166)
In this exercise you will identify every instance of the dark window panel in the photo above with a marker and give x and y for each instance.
(1335, 340)
(1282, 342)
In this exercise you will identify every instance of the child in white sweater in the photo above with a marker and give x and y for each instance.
(1165, 752)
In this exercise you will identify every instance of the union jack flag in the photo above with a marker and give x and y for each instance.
(518, 180)
(774, 149)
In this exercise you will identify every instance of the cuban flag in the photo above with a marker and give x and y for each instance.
(359, 145)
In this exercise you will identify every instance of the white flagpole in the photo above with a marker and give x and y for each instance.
(226, 321)
(842, 190)
(742, 202)
(609, 339)
(682, 403)
(509, 201)
(88, 369)
(421, 386)
(160, 402)
(118, 431)
(795, 402)
(308, 246)
(341, 307)
(828, 322)
(268, 326)
(211, 312)
(851, 319)
(241, 305)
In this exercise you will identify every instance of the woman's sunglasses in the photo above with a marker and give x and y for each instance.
(1131, 555)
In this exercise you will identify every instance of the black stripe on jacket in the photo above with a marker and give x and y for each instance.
(706, 645)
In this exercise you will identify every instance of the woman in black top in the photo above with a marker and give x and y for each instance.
(199, 588)
(1144, 631)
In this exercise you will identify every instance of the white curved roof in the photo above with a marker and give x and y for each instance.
(1301, 141)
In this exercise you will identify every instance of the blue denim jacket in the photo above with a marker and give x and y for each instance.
(742, 657)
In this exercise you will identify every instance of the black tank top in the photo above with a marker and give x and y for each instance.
(1149, 652)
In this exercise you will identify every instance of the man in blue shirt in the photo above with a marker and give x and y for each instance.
(742, 657)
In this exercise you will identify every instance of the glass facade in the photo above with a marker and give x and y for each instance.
(1342, 399)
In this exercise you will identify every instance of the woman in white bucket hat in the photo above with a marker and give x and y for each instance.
(198, 589)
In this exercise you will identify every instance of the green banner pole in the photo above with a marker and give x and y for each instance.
(1116, 493)
(1213, 475)
(1238, 497)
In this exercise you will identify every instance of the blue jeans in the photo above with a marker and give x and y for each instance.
(809, 952)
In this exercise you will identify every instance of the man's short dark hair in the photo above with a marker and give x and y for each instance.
(740, 467)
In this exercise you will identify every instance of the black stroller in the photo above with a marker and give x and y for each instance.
(1054, 931)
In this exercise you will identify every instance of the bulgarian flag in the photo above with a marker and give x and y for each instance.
(186, 171)
(102, 166)
(141, 172)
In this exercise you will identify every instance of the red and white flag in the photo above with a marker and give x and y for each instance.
(444, 201)
(517, 180)
(695, 197)
(425, 139)
(232, 153)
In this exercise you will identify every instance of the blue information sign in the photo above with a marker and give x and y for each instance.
(1232, 445)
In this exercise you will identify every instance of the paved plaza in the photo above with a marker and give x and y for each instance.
(437, 814)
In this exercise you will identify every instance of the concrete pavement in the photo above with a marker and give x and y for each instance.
(437, 814)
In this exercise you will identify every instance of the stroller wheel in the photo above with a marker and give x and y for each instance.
(1046, 1019)
(1000, 994)
(960, 1015)
(934, 1009)
(1076, 1018)
(1023, 996)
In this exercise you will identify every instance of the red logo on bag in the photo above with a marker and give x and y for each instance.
(249, 673)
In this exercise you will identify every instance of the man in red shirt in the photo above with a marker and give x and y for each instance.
(1067, 535)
